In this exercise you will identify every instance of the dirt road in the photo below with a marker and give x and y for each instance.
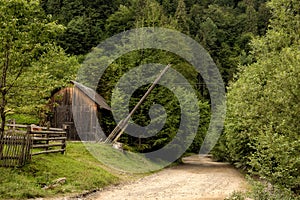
(198, 178)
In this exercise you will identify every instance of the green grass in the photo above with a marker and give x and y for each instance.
(127, 161)
(81, 170)
(23, 118)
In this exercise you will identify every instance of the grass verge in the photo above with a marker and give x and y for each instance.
(261, 190)
(81, 170)
(126, 161)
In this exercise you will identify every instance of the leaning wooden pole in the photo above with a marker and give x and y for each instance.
(120, 128)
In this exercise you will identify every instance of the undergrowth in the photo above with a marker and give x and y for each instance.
(261, 190)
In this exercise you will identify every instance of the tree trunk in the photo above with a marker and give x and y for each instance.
(3, 91)
(3, 119)
(3, 116)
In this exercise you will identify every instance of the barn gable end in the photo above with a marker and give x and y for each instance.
(62, 112)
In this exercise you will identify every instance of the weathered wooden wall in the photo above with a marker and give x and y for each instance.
(63, 113)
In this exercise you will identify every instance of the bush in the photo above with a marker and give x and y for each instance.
(262, 126)
(266, 191)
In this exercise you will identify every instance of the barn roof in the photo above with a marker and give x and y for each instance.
(92, 94)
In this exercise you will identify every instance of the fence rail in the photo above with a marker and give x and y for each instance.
(21, 142)
(14, 149)
(47, 138)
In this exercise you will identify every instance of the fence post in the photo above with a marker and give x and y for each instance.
(47, 136)
(29, 142)
(63, 147)
(66, 128)
(23, 157)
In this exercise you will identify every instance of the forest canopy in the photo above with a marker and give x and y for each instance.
(254, 43)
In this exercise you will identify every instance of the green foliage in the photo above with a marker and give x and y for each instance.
(262, 125)
(32, 91)
(224, 28)
(236, 196)
(181, 18)
(160, 95)
(121, 20)
(84, 20)
(203, 127)
(264, 191)
(81, 170)
(26, 35)
(31, 64)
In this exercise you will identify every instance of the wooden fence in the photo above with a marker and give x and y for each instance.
(21, 142)
(14, 149)
(50, 140)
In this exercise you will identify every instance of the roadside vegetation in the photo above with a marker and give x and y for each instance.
(81, 171)
(254, 43)
(261, 190)
(262, 131)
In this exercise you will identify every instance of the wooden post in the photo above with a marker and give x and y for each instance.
(63, 147)
(120, 128)
(28, 146)
(67, 130)
(120, 133)
(14, 124)
(28, 130)
(22, 156)
(47, 136)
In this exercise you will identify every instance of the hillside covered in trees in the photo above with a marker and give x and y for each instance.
(223, 28)
(254, 43)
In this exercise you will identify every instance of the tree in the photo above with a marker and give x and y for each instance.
(26, 35)
(181, 17)
(30, 95)
(262, 128)
(84, 20)
(121, 20)
(146, 14)
(79, 35)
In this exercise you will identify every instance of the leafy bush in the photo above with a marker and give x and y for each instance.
(266, 191)
(262, 190)
(262, 126)
(236, 196)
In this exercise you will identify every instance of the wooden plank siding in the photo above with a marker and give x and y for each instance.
(86, 109)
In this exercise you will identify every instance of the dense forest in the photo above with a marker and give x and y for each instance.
(254, 43)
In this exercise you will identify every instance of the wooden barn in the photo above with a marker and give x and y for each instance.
(87, 102)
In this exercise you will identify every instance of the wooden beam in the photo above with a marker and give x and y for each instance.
(120, 128)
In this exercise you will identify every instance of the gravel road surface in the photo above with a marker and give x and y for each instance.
(198, 178)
